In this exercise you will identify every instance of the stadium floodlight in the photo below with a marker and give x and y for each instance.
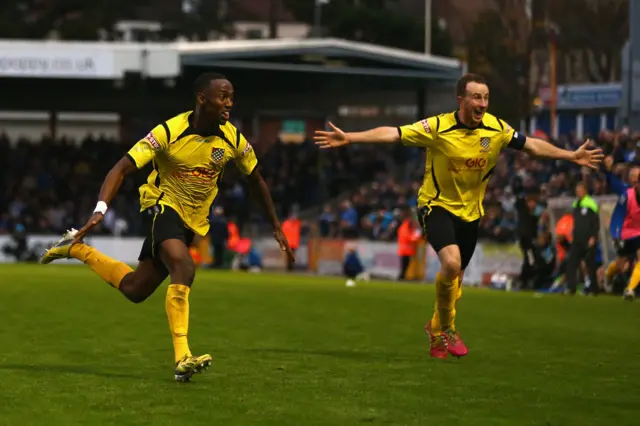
(317, 17)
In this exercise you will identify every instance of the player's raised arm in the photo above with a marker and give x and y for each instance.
(616, 184)
(138, 156)
(337, 138)
(247, 163)
(420, 133)
(583, 156)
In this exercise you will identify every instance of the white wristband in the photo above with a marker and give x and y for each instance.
(101, 207)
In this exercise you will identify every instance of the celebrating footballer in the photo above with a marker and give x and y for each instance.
(463, 148)
(188, 153)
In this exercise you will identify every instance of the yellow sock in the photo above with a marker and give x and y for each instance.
(445, 311)
(635, 278)
(611, 270)
(455, 305)
(110, 270)
(177, 305)
(436, 328)
(435, 320)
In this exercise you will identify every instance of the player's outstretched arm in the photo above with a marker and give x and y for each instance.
(260, 191)
(337, 138)
(583, 156)
(109, 189)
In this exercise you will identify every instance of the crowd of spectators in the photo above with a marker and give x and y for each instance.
(50, 185)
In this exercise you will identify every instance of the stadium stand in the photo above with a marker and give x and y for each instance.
(370, 184)
(50, 185)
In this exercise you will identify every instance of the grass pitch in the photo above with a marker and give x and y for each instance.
(292, 350)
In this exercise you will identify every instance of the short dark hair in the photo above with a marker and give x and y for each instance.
(461, 86)
(204, 80)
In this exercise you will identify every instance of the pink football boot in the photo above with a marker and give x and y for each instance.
(438, 343)
(454, 344)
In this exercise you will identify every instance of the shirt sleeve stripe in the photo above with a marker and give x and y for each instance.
(254, 167)
(237, 138)
(132, 159)
(227, 141)
(166, 129)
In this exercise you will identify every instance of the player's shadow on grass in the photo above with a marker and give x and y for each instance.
(336, 353)
(70, 369)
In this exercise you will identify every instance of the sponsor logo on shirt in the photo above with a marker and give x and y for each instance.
(457, 165)
(475, 163)
(425, 125)
(196, 174)
(152, 140)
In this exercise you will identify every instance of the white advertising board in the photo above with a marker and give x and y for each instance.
(46, 62)
(123, 249)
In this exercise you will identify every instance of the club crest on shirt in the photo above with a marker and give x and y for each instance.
(217, 155)
(485, 144)
(425, 125)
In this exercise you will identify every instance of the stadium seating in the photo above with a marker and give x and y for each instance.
(51, 185)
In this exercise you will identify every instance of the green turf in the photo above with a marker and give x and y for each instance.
(308, 351)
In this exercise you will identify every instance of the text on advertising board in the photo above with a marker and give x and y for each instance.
(56, 64)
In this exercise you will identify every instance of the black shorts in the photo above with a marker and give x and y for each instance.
(628, 248)
(162, 223)
(441, 228)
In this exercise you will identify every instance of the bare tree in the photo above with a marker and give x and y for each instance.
(498, 47)
(590, 42)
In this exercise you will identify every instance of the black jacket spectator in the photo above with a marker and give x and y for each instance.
(586, 220)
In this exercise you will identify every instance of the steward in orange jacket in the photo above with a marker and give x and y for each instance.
(408, 236)
(291, 228)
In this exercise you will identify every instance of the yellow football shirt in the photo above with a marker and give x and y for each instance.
(460, 160)
(187, 167)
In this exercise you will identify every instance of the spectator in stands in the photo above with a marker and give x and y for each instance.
(327, 222)
(529, 212)
(52, 195)
(19, 247)
(379, 225)
(5, 223)
(409, 234)
(45, 183)
(508, 200)
(545, 257)
(218, 235)
(348, 220)
(292, 229)
(497, 225)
